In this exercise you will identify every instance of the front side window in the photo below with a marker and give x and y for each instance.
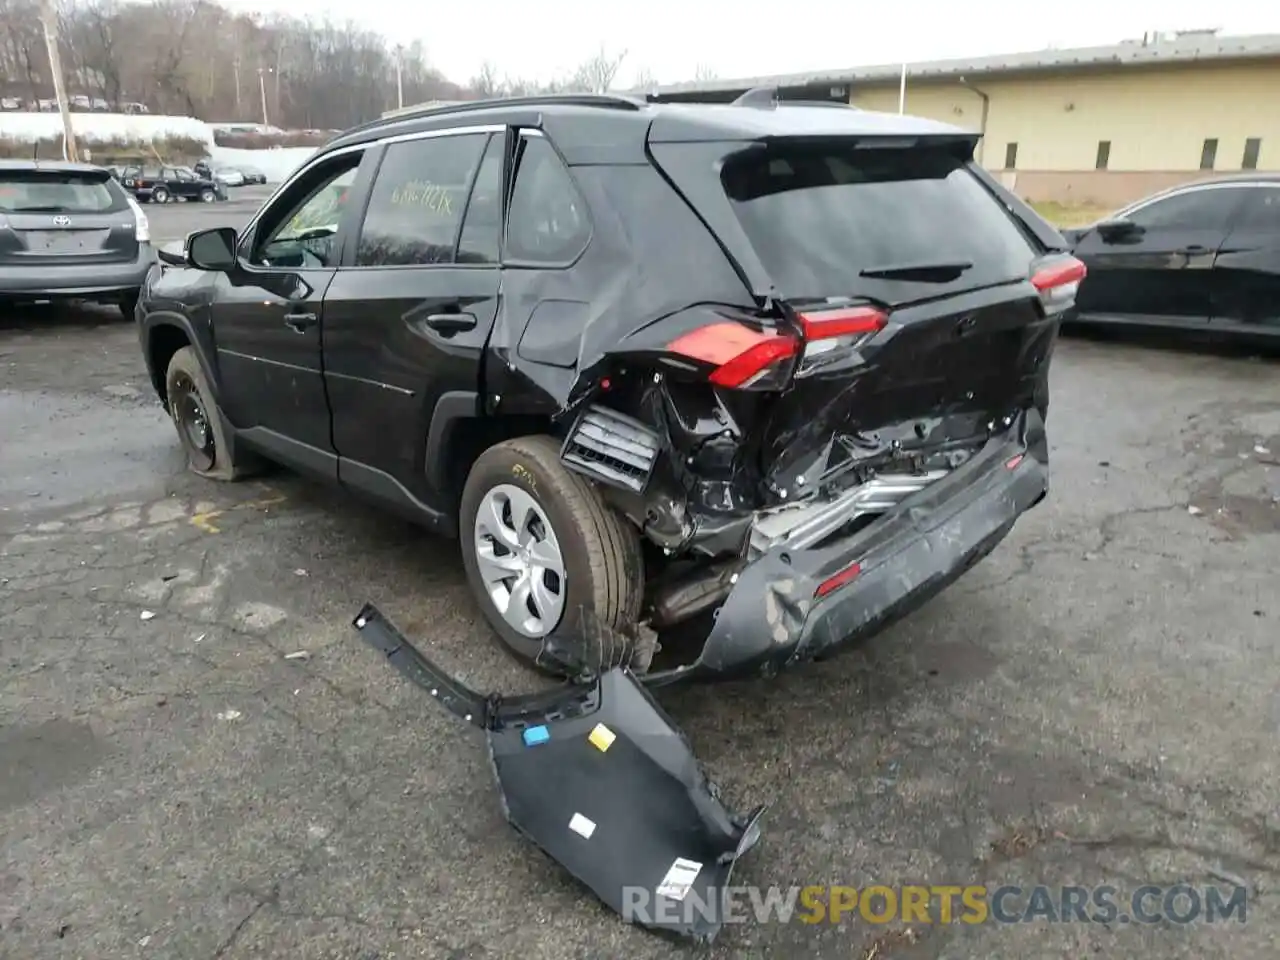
(548, 221)
(1261, 212)
(417, 201)
(1207, 209)
(300, 229)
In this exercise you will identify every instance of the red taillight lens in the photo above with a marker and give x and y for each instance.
(845, 576)
(1058, 283)
(858, 321)
(742, 357)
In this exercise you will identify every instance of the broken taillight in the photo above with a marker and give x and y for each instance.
(845, 576)
(743, 358)
(831, 335)
(1058, 282)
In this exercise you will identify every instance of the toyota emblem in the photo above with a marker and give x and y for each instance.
(62, 221)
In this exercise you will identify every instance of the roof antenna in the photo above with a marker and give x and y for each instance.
(758, 97)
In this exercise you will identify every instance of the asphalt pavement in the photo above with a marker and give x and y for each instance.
(173, 221)
(200, 759)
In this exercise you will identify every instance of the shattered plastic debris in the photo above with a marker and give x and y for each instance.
(1260, 449)
(146, 615)
(298, 655)
(229, 715)
(1194, 511)
(600, 757)
(300, 573)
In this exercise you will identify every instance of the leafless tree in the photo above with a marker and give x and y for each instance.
(704, 74)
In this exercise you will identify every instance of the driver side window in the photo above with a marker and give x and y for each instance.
(300, 229)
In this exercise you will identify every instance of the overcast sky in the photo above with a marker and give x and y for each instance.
(540, 39)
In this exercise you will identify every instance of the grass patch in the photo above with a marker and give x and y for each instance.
(113, 151)
(1069, 214)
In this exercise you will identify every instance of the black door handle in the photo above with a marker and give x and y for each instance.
(299, 322)
(451, 323)
(1194, 248)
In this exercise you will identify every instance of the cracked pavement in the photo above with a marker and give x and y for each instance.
(1097, 702)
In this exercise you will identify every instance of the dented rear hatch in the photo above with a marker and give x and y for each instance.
(910, 283)
(60, 217)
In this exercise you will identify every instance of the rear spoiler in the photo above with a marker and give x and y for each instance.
(1039, 227)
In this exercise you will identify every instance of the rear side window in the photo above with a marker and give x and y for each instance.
(48, 191)
(417, 202)
(818, 217)
(548, 221)
(1208, 209)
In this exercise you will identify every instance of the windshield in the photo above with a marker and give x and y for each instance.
(889, 224)
(39, 191)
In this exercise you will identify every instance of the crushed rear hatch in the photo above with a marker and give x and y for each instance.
(910, 283)
(597, 776)
(64, 218)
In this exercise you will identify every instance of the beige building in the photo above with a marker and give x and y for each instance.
(1098, 126)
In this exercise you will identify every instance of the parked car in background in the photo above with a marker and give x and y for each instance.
(229, 175)
(162, 184)
(1201, 256)
(70, 231)
(252, 175)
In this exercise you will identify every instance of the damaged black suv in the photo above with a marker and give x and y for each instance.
(773, 373)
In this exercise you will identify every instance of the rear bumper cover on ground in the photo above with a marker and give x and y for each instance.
(771, 619)
(72, 281)
(598, 777)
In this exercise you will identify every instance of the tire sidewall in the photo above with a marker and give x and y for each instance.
(160, 196)
(185, 361)
(504, 466)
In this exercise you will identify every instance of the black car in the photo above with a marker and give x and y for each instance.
(802, 392)
(163, 184)
(1202, 256)
(70, 231)
(252, 175)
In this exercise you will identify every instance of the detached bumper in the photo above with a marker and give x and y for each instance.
(77, 282)
(599, 778)
(774, 617)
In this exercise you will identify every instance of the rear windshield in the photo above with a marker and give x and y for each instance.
(819, 216)
(48, 191)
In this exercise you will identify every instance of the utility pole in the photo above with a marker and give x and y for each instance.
(399, 77)
(235, 66)
(49, 17)
(262, 87)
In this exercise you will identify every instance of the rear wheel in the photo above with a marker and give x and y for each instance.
(544, 553)
(201, 429)
(127, 305)
(208, 196)
(160, 195)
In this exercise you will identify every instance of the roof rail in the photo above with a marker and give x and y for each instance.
(764, 98)
(607, 100)
(758, 97)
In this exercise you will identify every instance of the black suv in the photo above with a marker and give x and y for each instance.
(162, 184)
(778, 371)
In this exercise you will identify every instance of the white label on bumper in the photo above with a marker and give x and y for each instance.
(582, 826)
(675, 885)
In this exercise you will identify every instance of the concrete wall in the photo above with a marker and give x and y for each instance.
(1156, 120)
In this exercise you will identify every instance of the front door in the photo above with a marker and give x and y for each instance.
(1247, 291)
(409, 312)
(1163, 271)
(268, 313)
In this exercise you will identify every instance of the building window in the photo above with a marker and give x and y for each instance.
(1208, 154)
(1010, 156)
(1252, 147)
(1104, 155)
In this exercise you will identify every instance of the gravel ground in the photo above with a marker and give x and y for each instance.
(1095, 703)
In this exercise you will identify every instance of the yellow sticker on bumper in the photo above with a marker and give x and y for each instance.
(601, 737)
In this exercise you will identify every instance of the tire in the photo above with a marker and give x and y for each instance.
(127, 305)
(217, 459)
(208, 196)
(603, 580)
(159, 195)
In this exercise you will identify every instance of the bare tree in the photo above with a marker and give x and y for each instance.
(644, 80)
(597, 74)
(485, 84)
(704, 74)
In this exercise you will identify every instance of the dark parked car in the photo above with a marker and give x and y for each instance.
(1203, 256)
(777, 371)
(162, 184)
(70, 231)
(252, 175)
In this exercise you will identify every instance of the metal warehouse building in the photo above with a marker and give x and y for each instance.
(1100, 125)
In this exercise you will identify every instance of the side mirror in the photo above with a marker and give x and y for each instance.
(1118, 230)
(212, 249)
(172, 254)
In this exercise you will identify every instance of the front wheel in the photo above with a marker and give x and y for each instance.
(159, 195)
(545, 554)
(201, 429)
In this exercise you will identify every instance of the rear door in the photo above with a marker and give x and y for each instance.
(267, 316)
(64, 218)
(1246, 291)
(1164, 272)
(408, 314)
